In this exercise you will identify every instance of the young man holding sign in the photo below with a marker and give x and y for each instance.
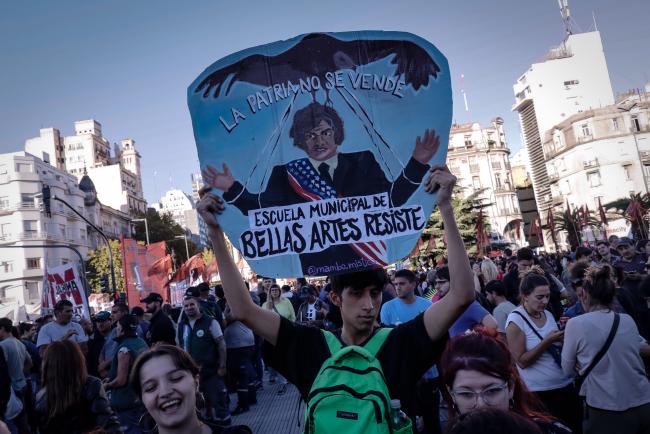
(408, 351)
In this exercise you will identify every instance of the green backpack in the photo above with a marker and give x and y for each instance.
(349, 394)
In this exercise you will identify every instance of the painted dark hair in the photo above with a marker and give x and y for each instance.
(484, 351)
(308, 118)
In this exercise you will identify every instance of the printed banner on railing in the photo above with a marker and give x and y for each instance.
(321, 144)
(65, 283)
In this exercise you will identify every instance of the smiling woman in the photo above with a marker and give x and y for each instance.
(166, 380)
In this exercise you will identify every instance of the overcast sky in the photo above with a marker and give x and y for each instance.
(127, 64)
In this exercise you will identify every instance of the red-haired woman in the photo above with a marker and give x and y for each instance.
(478, 371)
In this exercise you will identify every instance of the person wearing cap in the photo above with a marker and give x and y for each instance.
(143, 324)
(97, 340)
(209, 307)
(201, 336)
(122, 396)
(631, 263)
(161, 327)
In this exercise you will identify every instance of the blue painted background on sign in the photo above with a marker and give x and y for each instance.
(237, 122)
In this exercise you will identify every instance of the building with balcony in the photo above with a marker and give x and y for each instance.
(479, 157)
(23, 223)
(572, 78)
(117, 176)
(600, 154)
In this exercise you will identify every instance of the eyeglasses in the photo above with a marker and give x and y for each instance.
(469, 399)
(326, 133)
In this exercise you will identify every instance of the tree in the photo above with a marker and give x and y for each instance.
(99, 266)
(618, 208)
(162, 227)
(466, 212)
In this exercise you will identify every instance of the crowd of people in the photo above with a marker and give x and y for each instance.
(521, 342)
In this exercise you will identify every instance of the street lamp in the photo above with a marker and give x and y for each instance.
(146, 227)
(187, 250)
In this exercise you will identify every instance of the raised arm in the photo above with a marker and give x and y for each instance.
(263, 322)
(441, 315)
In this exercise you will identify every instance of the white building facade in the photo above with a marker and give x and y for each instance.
(573, 78)
(601, 154)
(117, 176)
(479, 157)
(23, 223)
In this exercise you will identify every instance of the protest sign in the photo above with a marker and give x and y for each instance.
(321, 145)
(143, 272)
(64, 283)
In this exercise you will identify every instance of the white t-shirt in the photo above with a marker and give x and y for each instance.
(501, 313)
(53, 331)
(544, 374)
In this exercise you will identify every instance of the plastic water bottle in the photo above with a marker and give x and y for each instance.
(398, 418)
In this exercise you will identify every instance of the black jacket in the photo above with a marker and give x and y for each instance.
(161, 329)
(91, 411)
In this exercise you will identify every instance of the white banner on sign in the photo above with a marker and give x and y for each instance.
(64, 283)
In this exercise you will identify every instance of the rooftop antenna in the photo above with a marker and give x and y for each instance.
(566, 17)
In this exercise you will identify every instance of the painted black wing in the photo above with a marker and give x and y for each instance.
(317, 54)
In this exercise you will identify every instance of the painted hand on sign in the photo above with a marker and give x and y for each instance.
(321, 144)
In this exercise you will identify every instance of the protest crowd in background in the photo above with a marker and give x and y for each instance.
(549, 343)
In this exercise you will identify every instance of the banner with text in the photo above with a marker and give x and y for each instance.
(64, 283)
(321, 144)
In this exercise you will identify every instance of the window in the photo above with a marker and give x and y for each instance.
(571, 82)
(4, 201)
(23, 167)
(5, 229)
(627, 170)
(566, 187)
(468, 141)
(7, 266)
(476, 182)
(497, 180)
(593, 178)
(33, 263)
(3, 169)
(30, 227)
(64, 261)
(27, 199)
(615, 126)
(636, 127)
(62, 230)
(32, 290)
(82, 234)
(585, 130)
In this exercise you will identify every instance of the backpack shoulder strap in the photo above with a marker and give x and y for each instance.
(377, 340)
(529, 324)
(332, 341)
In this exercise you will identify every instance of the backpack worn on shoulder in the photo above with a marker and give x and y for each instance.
(349, 394)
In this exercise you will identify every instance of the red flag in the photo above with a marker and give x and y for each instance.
(535, 229)
(211, 269)
(161, 266)
(585, 216)
(634, 210)
(550, 223)
(431, 245)
(601, 210)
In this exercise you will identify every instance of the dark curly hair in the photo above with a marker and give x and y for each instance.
(308, 118)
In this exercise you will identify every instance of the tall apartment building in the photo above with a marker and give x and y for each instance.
(600, 154)
(117, 176)
(23, 224)
(479, 157)
(572, 78)
(182, 209)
